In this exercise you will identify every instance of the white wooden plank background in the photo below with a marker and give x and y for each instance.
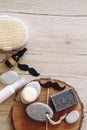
(57, 46)
(53, 7)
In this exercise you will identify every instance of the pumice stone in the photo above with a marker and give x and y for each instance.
(37, 111)
(35, 85)
(9, 77)
(72, 117)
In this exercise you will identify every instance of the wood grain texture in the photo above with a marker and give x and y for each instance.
(57, 46)
(52, 7)
(21, 121)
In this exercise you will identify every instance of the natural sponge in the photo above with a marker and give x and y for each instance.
(13, 33)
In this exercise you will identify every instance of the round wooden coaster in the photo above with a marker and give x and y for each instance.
(22, 122)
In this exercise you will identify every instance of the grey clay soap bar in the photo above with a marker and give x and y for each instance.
(64, 100)
(37, 111)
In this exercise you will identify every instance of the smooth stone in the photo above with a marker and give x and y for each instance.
(37, 111)
(2, 57)
(23, 101)
(35, 85)
(28, 95)
(72, 117)
(9, 77)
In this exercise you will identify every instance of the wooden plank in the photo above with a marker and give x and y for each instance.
(52, 7)
(59, 44)
(58, 49)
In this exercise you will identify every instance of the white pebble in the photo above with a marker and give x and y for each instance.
(35, 85)
(9, 77)
(72, 117)
(2, 57)
(35, 88)
(28, 95)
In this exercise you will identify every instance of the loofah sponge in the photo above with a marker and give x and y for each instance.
(13, 33)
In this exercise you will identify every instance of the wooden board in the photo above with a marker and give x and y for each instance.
(22, 122)
(49, 7)
(57, 47)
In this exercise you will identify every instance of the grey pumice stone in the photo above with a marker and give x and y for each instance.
(9, 77)
(72, 117)
(37, 111)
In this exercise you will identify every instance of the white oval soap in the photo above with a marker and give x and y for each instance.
(72, 117)
(9, 77)
(35, 85)
(37, 111)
